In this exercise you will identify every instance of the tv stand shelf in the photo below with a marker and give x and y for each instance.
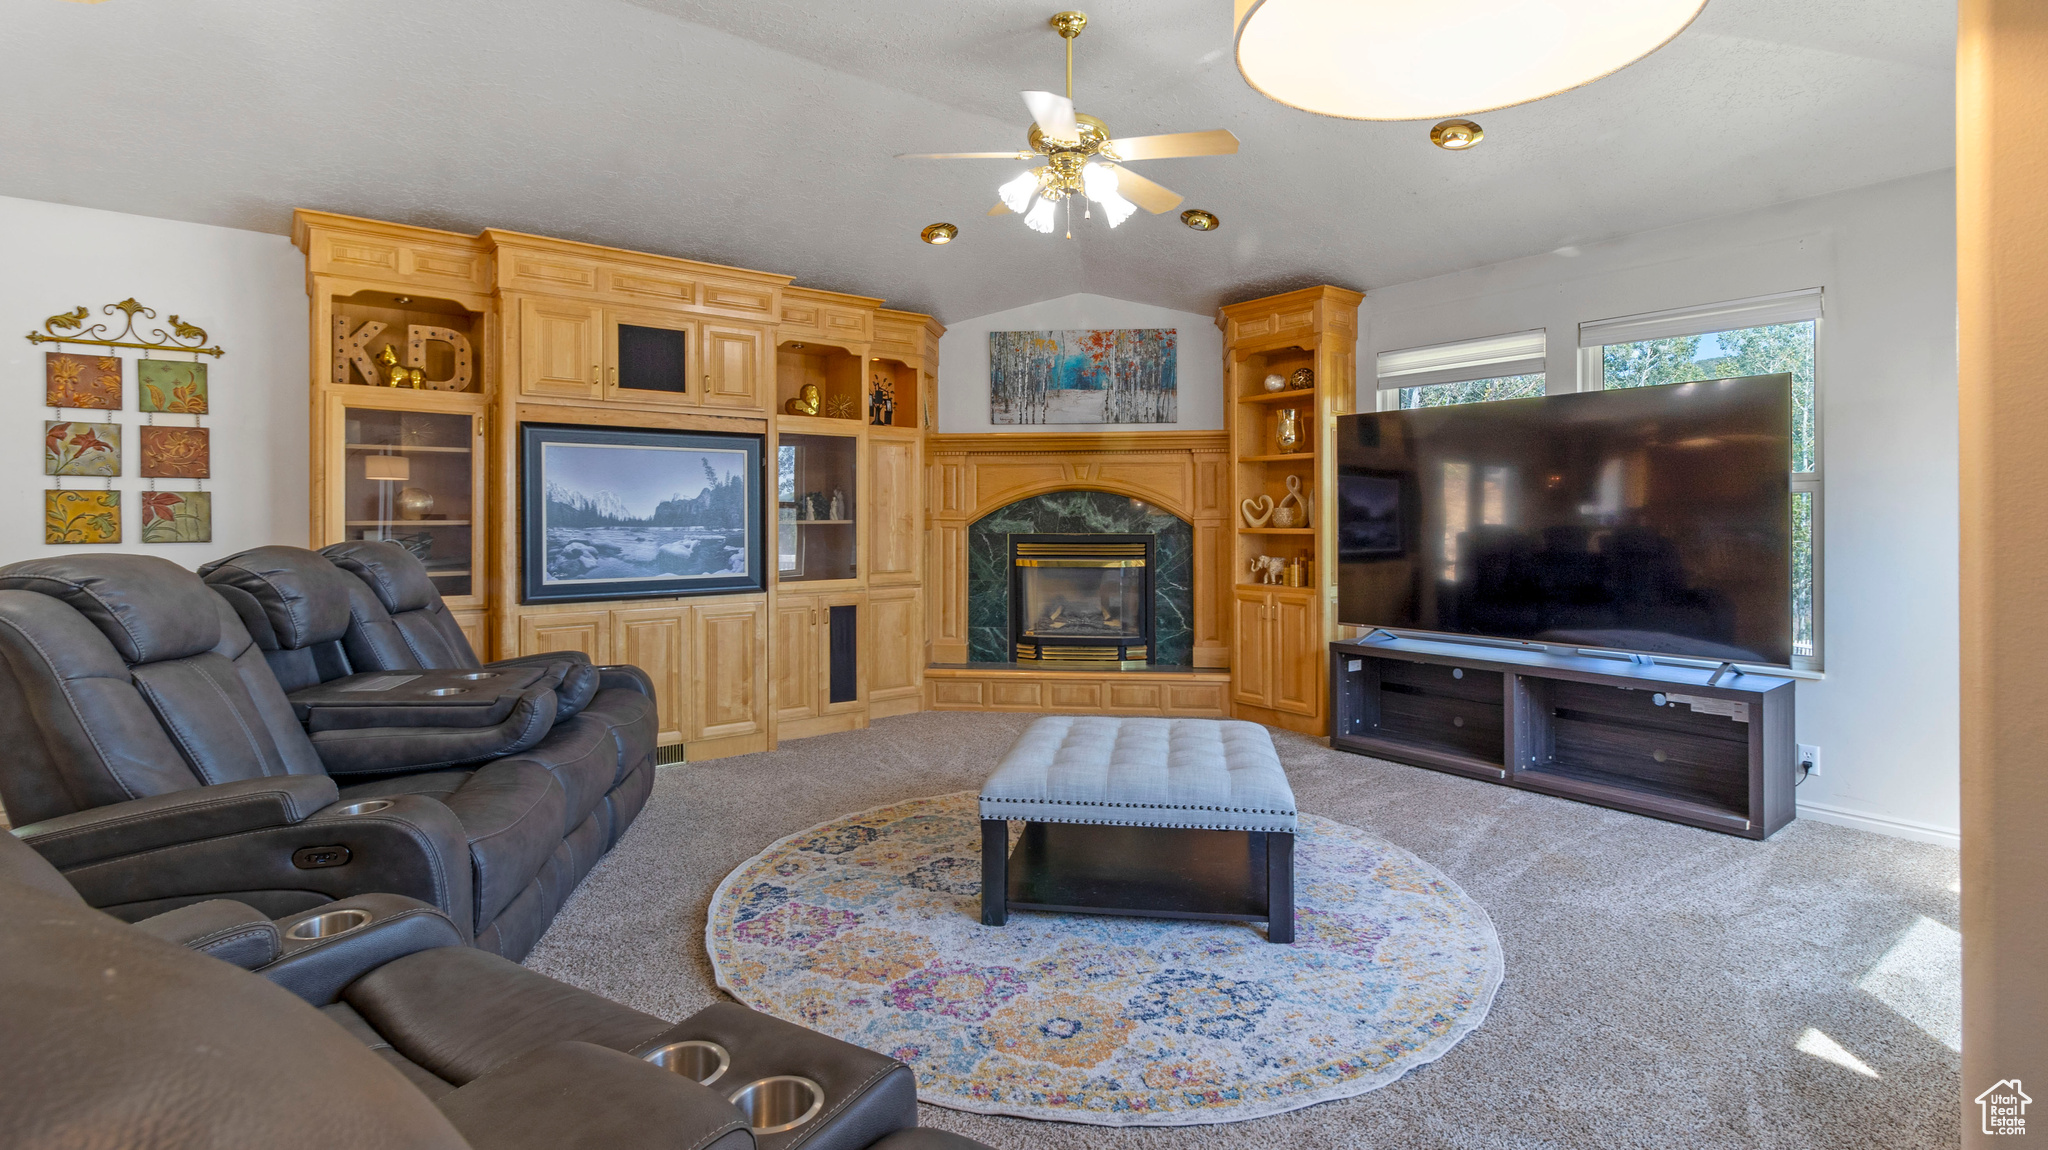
(1693, 745)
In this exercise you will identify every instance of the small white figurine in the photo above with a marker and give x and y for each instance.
(838, 504)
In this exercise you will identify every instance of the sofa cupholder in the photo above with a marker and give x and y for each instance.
(475, 675)
(334, 922)
(439, 692)
(700, 1061)
(366, 807)
(783, 1102)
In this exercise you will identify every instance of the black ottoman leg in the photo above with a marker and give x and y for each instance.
(995, 871)
(1279, 886)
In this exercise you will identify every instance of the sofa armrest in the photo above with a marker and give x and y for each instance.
(406, 844)
(627, 676)
(367, 749)
(317, 968)
(231, 931)
(569, 673)
(577, 1094)
(164, 820)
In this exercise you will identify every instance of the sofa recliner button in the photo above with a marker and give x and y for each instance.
(314, 858)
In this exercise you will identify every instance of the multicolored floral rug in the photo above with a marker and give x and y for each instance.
(868, 928)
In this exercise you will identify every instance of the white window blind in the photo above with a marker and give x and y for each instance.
(1757, 311)
(1494, 356)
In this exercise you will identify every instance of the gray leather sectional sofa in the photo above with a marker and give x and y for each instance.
(292, 729)
(214, 1025)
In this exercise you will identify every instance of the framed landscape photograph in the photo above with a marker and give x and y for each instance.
(611, 513)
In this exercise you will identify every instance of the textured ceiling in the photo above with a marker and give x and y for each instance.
(761, 134)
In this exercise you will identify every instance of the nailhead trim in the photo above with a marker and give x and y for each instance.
(1145, 806)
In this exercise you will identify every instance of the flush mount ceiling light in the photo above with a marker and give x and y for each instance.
(1409, 60)
(1081, 162)
(1200, 220)
(939, 234)
(1456, 135)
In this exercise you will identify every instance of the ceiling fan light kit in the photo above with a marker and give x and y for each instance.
(1081, 161)
(1415, 61)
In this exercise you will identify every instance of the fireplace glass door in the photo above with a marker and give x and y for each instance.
(1081, 598)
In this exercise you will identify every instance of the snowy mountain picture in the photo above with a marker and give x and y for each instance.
(635, 512)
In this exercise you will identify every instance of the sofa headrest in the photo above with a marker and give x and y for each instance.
(150, 609)
(302, 595)
(397, 577)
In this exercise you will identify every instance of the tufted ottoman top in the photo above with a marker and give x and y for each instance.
(1206, 774)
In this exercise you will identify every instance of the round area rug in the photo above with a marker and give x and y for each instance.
(868, 928)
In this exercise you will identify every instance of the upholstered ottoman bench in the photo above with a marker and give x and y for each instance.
(1165, 818)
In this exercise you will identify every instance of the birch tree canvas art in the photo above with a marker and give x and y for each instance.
(1123, 375)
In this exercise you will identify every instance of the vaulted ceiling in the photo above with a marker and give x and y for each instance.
(762, 134)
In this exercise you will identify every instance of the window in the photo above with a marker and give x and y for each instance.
(1470, 371)
(1471, 391)
(1762, 336)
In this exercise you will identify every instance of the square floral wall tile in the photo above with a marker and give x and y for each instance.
(175, 453)
(88, 381)
(81, 448)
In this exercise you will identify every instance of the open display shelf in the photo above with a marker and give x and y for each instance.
(1704, 747)
(813, 545)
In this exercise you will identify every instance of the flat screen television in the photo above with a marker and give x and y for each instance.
(1654, 520)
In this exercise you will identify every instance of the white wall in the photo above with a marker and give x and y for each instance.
(963, 361)
(1885, 714)
(247, 289)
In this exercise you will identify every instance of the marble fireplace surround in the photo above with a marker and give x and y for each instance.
(1091, 479)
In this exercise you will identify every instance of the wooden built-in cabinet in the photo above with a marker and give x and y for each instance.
(819, 664)
(1279, 674)
(549, 331)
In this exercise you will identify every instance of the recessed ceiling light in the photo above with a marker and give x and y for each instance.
(1456, 135)
(1422, 61)
(1200, 220)
(939, 234)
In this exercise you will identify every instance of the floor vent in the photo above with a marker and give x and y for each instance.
(669, 755)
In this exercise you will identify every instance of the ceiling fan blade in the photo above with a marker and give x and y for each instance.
(1054, 116)
(1144, 193)
(1216, 142)
(1001, 209)
(964, 156)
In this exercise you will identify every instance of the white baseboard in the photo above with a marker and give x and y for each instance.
(1883, 825)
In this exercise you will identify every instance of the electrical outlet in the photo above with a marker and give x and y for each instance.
(1809, 757)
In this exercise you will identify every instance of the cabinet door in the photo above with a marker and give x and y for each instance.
(585, 631)
(732, 367)
(893, 650)
(794, 660)
(650, 359)
(558, 349)
(894, 531)
(1251, 650)
(652, 639)
(473, 629)
(1297, 653)
(731, 695)
(840, 657)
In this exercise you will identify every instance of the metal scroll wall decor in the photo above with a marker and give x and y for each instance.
(93, 379)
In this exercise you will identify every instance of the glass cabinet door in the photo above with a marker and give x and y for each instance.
(408, 478)
(815, 514)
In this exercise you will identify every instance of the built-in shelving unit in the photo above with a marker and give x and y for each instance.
(1278, 632)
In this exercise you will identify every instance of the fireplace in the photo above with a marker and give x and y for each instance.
(1082, 599)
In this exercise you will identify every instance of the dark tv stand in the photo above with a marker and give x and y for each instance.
(1712, 748)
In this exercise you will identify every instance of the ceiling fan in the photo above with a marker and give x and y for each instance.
(1082, 159)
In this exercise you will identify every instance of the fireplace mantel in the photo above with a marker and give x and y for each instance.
(1182, 472)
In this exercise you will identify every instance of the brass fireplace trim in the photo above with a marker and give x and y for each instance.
(1077, 563)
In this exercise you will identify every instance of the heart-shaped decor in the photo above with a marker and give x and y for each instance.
(1257, 511)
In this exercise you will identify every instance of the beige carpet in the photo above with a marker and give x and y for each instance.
(1661, 981)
